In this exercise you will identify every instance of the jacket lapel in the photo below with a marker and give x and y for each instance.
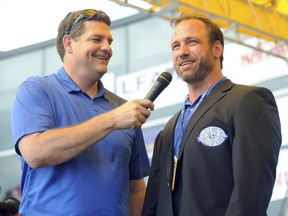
(215, 95)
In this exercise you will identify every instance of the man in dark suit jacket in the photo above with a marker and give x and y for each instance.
(218, 155)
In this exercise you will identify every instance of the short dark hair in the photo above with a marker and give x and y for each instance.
(213, 30)
(10, 206)
(73, 26)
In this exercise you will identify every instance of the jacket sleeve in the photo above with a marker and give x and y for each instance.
(255, 152)
(153, 185)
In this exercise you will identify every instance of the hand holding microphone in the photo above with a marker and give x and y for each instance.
(134, 113)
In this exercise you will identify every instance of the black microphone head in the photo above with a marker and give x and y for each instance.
(161, 83)
(165, 78)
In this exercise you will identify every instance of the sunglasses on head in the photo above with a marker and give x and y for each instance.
(86, 14)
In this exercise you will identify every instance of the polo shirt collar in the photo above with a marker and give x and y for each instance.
(71, 86)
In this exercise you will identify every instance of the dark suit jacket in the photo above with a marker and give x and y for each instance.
(232, 177)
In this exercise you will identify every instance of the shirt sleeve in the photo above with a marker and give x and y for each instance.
(139, 162)
(31, 110)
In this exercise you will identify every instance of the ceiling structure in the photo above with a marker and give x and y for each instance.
(258, 24)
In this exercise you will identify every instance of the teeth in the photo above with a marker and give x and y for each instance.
(185, 63)
(101, 57)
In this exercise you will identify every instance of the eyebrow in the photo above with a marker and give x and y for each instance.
(102, 36)
(185, 39)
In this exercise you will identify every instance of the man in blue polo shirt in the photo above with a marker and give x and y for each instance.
(81, 146)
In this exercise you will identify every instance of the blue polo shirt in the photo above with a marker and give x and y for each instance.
(93, 183)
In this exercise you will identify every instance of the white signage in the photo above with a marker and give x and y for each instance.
(138, 84)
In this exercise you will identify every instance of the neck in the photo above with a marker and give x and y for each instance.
(200, 87)
(89, 85)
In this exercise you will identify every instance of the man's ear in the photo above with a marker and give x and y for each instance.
(67, 43)
(218, 49)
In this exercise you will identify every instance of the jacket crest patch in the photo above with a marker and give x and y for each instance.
(212, 136)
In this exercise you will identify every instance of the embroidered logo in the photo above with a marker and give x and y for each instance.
(212, 136)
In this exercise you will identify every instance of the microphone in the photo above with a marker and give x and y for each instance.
(161, 83)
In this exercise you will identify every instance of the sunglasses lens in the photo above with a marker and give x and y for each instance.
(85, 15)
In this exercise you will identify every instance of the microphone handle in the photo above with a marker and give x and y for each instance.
(154, 92)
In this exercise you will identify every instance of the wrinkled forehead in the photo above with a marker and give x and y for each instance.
(189, 28)
(97, 28)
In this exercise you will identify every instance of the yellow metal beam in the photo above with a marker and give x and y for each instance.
(265, 20)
